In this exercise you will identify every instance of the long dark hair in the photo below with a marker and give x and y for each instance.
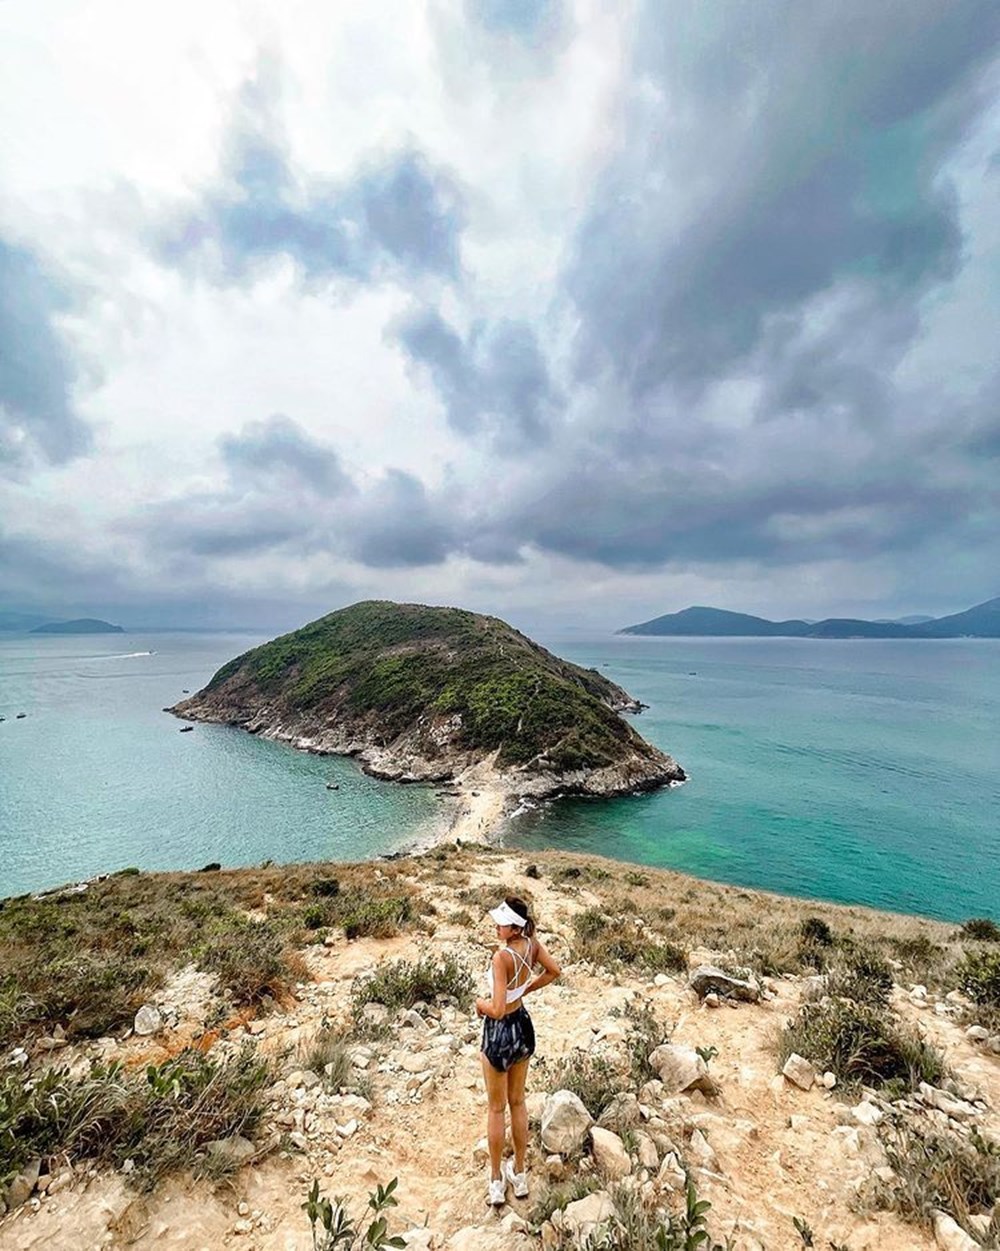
(521, 908)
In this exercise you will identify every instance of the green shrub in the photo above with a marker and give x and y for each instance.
(979, 977)
(610, 940)
(938, 1171)
(161, 1119)
(594, 1078)
(402, 983)
(861, 1045)
(315, 917)
(378, 918)
(863, 976)
(333, 1229)
(815, 930)
(250, 959)
(325, 887)
(982, 929)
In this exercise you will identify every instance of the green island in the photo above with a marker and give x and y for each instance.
(424, 693)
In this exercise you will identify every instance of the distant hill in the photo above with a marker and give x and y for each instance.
(22, 620)
(983, 621)
(82, 625)
(717, 622)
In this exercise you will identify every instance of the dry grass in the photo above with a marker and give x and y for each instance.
(86, 961)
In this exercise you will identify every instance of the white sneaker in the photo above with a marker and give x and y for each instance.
(518, 1180)
(498, 1192)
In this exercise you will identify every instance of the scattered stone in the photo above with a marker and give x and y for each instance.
(422, 1239)
(243, 1208)
(977, 1033)
(680, 1069)
(712, 1000)
(707, 979)
(671, 1176)
(243, 1227)
(866, 1114)
(565, 1122)
(375, 1014)
(799, 1072)
(235, 1150)
(147, 1020)
(609, 1153)
(829, 1080)
(950, 1236)
(621, 1113)
(702, 1152)
(649, 1157)
(957, 1109)
(20, 1189)
(580, 1218)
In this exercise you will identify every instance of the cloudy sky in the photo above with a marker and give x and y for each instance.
(576, 311)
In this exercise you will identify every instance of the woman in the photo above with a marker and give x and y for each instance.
(509, 1039)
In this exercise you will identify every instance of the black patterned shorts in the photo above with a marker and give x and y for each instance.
(508, 1040)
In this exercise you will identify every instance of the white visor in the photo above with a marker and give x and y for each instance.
(504, 915)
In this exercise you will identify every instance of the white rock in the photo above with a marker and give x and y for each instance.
(147, 1020)
(649, 1157)
(565, 1122)
(866, 1114)
(422, 1239)
(799, 1072)
(701, 1151)
(681, 1068)
(950, 1236)
(671, 1176)
(829, 1080)
(609, 1153)
(580, 1218)
(957, 1109)
(977, 1033)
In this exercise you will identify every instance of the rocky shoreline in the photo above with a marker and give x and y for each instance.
(402, 760)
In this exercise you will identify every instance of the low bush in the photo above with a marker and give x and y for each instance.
(979, 976)
(612, 941)
(938, 1171)
(815, 930)
(863, 976)
(861, 1045)
(162, 1118)
(594, 1078)
(251, 958)
(402, 983)
(377, 918)
(325, 887)
(981, 929)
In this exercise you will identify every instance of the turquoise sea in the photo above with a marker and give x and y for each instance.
(860, 771)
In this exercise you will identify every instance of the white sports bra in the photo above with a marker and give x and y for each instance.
(520, 962)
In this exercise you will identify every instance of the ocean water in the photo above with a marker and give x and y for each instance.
(862, 771)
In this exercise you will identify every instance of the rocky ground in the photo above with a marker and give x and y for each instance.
(766, 1148)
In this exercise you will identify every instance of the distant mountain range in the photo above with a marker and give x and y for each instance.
(982, 621)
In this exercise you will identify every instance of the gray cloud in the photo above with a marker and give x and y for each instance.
(396, 216)
(286, 492)
(37, 416)
(769, 152)
(277, 450)
(496, 382)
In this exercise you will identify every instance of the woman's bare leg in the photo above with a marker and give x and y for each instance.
(517, 1075)
(496, 1093)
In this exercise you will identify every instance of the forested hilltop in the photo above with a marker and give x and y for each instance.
(423, 693)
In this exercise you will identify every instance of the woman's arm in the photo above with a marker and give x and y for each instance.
(497, 1006)
(552, 970)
